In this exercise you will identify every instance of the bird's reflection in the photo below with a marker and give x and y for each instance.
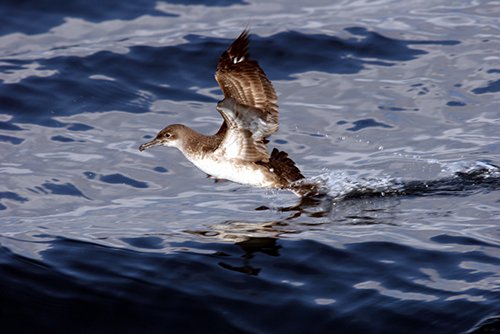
(263, 237)
(250, 247)
(361, 206)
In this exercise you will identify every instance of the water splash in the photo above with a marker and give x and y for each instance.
(460, 177)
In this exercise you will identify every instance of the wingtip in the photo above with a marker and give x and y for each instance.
(238, 50)
(244, 34)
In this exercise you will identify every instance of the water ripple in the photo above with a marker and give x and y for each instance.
(396, 111)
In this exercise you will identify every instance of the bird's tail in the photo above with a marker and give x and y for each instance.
(290, 175)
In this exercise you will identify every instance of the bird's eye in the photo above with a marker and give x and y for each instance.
(166, 135)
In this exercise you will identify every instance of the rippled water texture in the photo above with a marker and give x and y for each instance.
(394, 105)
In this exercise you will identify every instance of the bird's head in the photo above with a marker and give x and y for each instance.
(169, 136)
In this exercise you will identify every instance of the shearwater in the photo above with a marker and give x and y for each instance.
(238, 151)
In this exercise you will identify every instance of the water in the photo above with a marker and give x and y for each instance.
(97, 237)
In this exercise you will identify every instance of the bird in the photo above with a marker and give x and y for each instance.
(238, 150)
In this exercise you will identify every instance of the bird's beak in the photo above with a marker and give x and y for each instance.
(149, 144)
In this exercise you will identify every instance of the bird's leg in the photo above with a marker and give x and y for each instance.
(216, 180)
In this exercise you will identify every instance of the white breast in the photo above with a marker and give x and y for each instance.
(236, 171)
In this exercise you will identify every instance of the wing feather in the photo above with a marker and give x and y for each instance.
(244, 81)
(250, 108)
(247, 129)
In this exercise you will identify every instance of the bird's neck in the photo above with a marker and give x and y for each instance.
(196, 145)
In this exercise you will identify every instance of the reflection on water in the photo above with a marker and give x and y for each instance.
(393, 113)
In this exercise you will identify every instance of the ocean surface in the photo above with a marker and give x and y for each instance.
(393, 105)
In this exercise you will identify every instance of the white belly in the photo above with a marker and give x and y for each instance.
(244, 173)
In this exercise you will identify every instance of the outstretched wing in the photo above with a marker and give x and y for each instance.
(247, 128)
(242, 80)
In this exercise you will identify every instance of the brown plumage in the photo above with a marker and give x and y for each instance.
(238, 151)
(243, 80)
(250, 102)
(284, 166)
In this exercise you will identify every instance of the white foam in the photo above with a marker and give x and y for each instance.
(341, 183)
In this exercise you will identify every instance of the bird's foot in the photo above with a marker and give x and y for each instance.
(216, 180)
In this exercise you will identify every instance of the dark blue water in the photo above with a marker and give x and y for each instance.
(394, 106)
(259, 285)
